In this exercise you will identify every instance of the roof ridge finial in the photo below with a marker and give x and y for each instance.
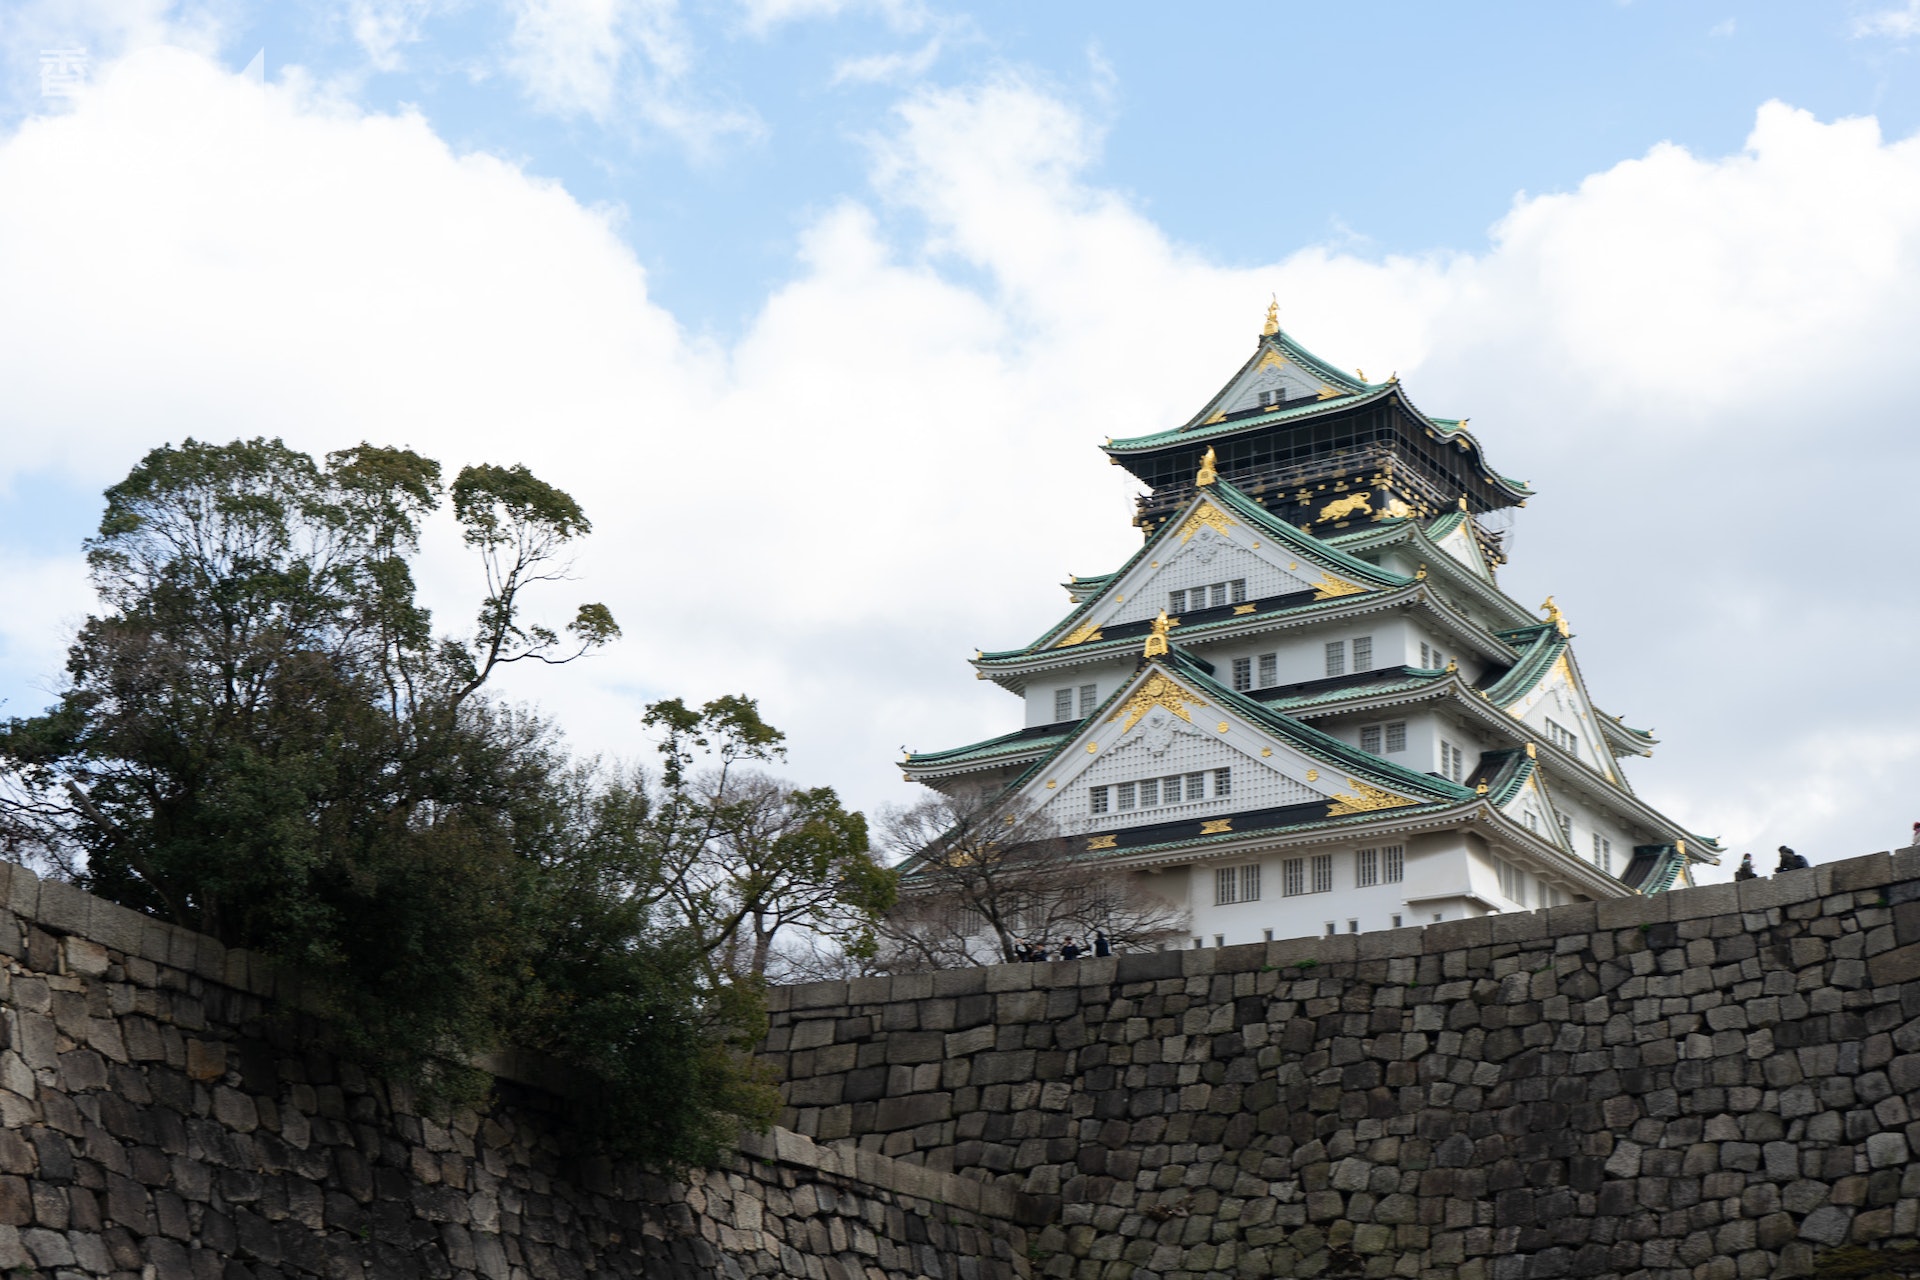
(1273, 317)
(1206, 475)
(1554, 615)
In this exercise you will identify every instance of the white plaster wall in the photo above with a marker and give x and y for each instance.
(1258, 783)
(1204, 559)
(1104, 676)
(1434, 864)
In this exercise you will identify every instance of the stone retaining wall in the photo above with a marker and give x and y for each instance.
(153, 1127)
(1710, 1083)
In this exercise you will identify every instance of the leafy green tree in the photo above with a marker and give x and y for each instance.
(260, 736)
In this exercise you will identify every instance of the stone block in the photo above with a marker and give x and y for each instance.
(1389, 944)
(115, 927)
(1457, 935)
(1891, 968)
(1197, 962)
(1784, 889)
(1706, 900)
(1631, 911)
(84, 956)
(870, 990)
(817, 995)
(23, 892)
(1854, 875)
(1147, 966)
(959, 982)
(1009, 977)
(1519, 926)
(63, 908)
(1571, 919)
(210, 958)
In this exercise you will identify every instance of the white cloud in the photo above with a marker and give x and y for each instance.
(384, 28)
(888, 68)
(604, 59)
(1901, 23)
(902, 15)
(1701, 362)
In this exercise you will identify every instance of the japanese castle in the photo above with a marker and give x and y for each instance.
(1305, 705)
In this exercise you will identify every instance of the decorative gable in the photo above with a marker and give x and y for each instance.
(1460, 543)
(1274, 379)
(1165, 751)
(1558, 711)
(1212, 550)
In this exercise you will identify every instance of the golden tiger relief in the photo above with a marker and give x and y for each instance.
(1344, 507)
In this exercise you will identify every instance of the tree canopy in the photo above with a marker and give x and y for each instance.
(262, 736)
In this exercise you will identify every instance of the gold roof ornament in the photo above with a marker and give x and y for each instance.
(1207, 475)
(1420, 574)
(1157, 637)
(1273, 318)
(1362, 373)
(1453, 665)
(1480, 789)
(1530, 754)
(1554, 615)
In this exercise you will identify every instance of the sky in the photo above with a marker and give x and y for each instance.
(821, 308)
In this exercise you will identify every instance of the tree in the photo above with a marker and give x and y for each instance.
(980, 877)
(743, 857)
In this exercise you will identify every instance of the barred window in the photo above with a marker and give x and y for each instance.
(1242, 674)
(1149, 793)
(1170, 790)
(1370, 738)
(1513, 881)
(1603, 853)
(1250, 882)
(1217, 594)
(1336, 657)
(1393, 864)
(1097, 800)
(1237, 591)
(1176, 602)
(1269, 670)
(1366, 868)
(1323, 873)
(1222, 782)
(1363, 653)
(1226, 886)
(1062, 704)
(1196, 786)
(1563, 737)
(1124, 795)
(1293, 877)
(1566, 826)
(1089, 697)
(1453, 764)
(1397, 736)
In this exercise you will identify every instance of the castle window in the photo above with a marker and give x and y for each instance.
(1336, 657)
(1237, 591)
(1270, 398)
(1393, 867)
(1563, 737)
(1170, 790)
(1431, 657)
(1062, 704)
(1603, 853)
(1196, 786)
(1242, 674)
(1124, 795)
(1088, 699)
(1363, 653)
(1366, 868)
(1097, 800)
(1353, 926)
(1566, 826)
(1370, 738)
(1236, 884)
(1149, 793)
(1397, 736)
(1269, 670)
(1378, 738)
(1293, 877)
(1323, 873)
(1513, 881)
(1222, 782)
(1453, 764)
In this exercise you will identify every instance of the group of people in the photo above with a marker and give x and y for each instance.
(1069, 949)
(1789, 861)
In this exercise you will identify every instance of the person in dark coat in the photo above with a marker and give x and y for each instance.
(1790, 861)
(1102, 947)
(1069, 950)
(1745, 870)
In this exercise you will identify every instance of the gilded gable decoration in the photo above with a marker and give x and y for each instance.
(1158, 691)
(1206, 516)
(1365, 799)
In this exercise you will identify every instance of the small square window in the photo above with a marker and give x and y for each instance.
(1150, 793)
(1396, 922)
(1196, 786)
(1330, 929)
(1397, 736)
(1123, 794)
(1097, 800)
(1176, 602)
(1237, 591)
(1170, 790)
(1267, 935)
(1218, 593)
(1219, 939)
(1353, 926)
(1370, 738)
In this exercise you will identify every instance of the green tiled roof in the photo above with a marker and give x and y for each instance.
(1020, 742)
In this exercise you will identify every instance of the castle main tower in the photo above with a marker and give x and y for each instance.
(1305, 705)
